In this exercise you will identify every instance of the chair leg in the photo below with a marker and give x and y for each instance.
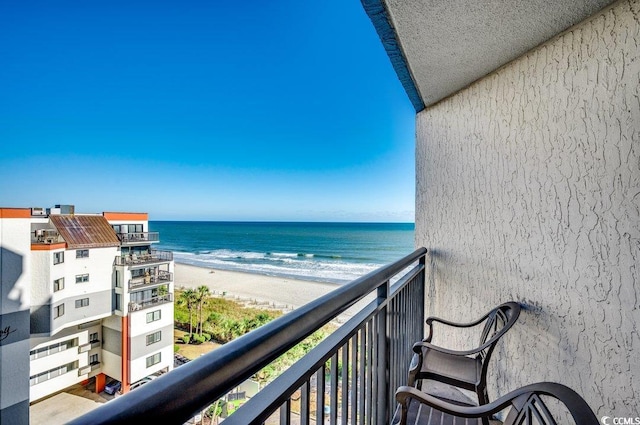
(483, 398)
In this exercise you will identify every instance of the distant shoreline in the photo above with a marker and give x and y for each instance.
(280, 292)
(252, 286)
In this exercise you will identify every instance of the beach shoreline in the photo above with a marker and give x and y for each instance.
(280, 292)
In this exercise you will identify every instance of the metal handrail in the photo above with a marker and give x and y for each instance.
(179, 395)
(141, 305)
(138, 237)
(162, 277)
(153, 256)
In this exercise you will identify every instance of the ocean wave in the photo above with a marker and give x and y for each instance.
(307, 267)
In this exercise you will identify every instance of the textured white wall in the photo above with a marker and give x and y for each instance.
(528, 189)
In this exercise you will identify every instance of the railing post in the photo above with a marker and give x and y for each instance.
(382, 372)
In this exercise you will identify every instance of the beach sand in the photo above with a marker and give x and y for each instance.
(282, 293)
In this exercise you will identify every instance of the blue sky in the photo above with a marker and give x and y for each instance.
(203, 110)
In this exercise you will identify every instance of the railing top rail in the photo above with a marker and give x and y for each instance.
(212, 375)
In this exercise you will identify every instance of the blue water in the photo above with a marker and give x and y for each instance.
(326, 252)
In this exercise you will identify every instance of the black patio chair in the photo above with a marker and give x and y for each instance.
(526, 406)
(465, 369)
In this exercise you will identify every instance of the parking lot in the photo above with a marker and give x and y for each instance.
(66, 406)
(73, 402)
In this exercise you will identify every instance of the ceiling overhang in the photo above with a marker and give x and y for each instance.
(439, 47)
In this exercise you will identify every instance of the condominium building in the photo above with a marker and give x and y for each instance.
(84, 296)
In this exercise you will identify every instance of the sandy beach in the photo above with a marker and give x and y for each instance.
(282, 293)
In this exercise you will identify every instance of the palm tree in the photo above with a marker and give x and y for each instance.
(202, 293)
(188, 298)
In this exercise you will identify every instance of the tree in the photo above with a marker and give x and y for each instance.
(202, 293)
(188, 298)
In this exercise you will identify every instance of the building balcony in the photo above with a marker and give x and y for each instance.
(350, 377)
(46, 236)
(88, 346)
(89, 368)
(141, 238)
(150, 257)
(141, 281)
(151, 302)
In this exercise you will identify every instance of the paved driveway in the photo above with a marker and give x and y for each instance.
(66, 406)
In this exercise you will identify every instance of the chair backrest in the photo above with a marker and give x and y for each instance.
(498, 322)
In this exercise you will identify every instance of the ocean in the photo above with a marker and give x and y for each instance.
(323, 252)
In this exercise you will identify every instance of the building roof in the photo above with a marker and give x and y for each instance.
(439, 47)
(85, 231)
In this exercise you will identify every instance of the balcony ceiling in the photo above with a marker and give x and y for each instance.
(439, 47)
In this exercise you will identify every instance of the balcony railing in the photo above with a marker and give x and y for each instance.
(89, 368)
(46, 236)
(153, 256)
(151, 302)
(161, 277)
(354, 371)
(138, 238)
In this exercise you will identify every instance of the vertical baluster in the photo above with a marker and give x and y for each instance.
(333, 401)
(355, 373)
(346, 366)
(285, 413)
(304, 403)
(320, 394)
(369, 368)
(395, 336)
(362, 375)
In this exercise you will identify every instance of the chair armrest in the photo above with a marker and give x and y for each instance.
(418, 346)
(404, 393)
(577, 406)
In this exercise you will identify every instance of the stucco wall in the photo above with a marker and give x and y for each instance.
(528, 189)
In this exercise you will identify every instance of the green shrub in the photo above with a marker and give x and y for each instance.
(186, 338)
(224, 319)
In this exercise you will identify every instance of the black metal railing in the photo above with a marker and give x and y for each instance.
(151, 302)
(46, 236)
(354, 371)
(153, 256)
(161, 277)
(139, 237)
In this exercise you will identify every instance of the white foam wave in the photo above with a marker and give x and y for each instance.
(289, 265)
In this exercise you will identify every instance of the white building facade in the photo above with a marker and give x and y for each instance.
(84, 297)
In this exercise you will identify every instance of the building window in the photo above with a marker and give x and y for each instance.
(52, 349)
(84, 302)
(135, 228)
(58, 311)
(58, 257)
(94, 337)
(82, 253)
(154, 337)
(58, 284)
(155, 359)
(81, 278)
(93, 359)
(52, 373)
(153, 316)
